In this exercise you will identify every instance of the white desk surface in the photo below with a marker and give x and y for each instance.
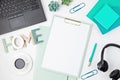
(96, 37)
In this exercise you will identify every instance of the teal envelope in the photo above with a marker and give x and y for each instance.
(110, 8)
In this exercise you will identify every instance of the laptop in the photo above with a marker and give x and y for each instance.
(17, 14)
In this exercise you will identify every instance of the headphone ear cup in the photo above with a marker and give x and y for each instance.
(102, 66)
(115, 74)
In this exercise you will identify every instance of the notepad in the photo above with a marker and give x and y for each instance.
(106, 16)
(66, 47)
(112, 8)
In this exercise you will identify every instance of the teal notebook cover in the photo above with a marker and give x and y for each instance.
(114, 5)
(42, 74)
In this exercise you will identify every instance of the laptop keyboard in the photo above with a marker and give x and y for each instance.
(12, 8)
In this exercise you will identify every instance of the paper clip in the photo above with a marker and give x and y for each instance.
(77, 8)
(89, 74)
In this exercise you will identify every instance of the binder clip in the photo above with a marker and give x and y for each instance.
(73, 22)
(77, 8)
(89, 74)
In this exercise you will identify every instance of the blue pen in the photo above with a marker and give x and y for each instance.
(92, 55)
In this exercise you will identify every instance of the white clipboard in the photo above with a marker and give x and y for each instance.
(66, 47)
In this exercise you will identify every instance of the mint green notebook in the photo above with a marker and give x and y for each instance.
(45, 74)
(42, 74)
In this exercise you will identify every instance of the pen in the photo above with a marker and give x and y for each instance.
(92, 55)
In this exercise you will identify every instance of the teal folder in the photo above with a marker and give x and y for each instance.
(107, 23)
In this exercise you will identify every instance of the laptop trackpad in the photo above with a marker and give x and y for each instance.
(17, 23)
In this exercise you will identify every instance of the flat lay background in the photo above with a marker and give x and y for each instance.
(111, 54)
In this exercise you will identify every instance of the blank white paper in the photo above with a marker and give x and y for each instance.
(65, 50)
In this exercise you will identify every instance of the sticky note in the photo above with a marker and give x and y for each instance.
(106, 16)
(114, 4)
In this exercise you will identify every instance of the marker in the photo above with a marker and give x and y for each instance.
(92, 55)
